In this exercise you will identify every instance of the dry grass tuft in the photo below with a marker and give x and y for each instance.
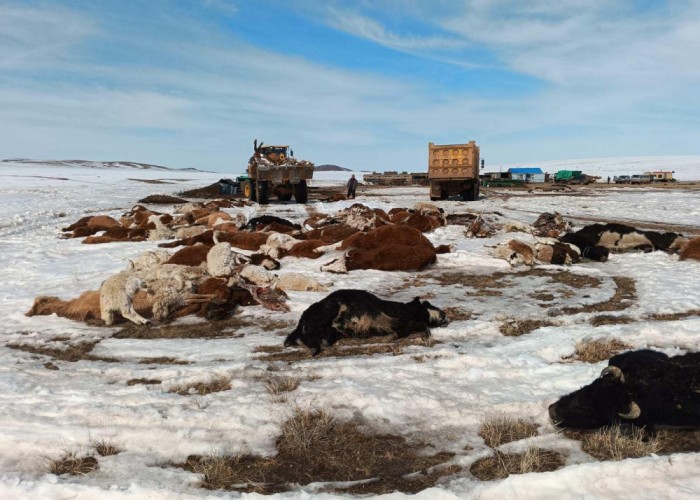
(143, 381)
(609, 319)
(279, 385)
(214, 384)
(71, 352)
(315, 447)
(163, 360)
(610, 443)
(105, 447)
(71, 464)
(674, 316)
(502, 465)
(457, 314)
(505, 429)
(517, 327)
(594, 351)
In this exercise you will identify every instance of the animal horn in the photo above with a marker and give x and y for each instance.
(614, 371)
(255, 145)
(634, 412)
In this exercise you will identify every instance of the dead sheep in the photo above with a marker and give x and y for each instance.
(358, 313)
(116, 296)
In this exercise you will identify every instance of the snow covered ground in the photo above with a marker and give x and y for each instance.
(473, 373)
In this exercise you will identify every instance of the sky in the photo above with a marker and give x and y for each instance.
(362, 84)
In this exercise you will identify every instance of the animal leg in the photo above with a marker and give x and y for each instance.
(108, 317)
(134, 317)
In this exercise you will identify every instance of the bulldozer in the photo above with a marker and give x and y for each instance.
(274, 169)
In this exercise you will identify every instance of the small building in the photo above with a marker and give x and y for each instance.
(660, 175)
(527, 174)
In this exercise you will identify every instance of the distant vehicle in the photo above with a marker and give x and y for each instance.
(572, 177)
(453, 169)
(661, 175)
(622, 179)
(640, 179)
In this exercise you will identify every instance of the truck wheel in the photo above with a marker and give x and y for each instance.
(471, 193)
(263, 192)
(300, 192)
(249, 190)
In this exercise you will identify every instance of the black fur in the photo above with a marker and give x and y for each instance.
(588, 239)
(664, 389)
(265, 220)
(357, 313)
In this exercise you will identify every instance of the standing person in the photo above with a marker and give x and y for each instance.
(608, 179)
(352, 185)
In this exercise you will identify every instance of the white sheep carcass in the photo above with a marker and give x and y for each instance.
(116, 295)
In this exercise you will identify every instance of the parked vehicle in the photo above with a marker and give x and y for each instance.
(640, 179)
(453, 169)
(622, 179)
(572, 177)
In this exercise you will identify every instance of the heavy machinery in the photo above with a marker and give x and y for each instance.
(453, 169)
(573, 177)
(273, 169)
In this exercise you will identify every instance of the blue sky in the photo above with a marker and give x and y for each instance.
(362, 84)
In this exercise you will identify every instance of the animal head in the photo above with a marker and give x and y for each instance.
(436, 316)
(133, 285)
(597, 253)
(600, 403)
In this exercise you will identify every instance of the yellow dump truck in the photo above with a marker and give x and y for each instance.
(453, 169)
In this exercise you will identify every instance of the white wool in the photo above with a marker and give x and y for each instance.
(115, 296)
(152, 259)
(337, 266)
(277, 241)
(425, 208)
(515, 226)
(169, 294)
(188, 207)
(222, 260)
(161, 232)
(189, 232)
(300, 283)
(258, 275)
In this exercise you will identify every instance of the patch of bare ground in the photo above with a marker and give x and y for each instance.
(204, 329)
(163, 360)
(151, 181)
(344, 348)
(594, 351)
(674, 316)
(143, 381)
(625, 294)
(71, 464)
(106, 447)
(50, 366)
(609, 319)
(314, 447)
(71, 352)
(214, 384)
(518, 327)
(457, 314)
(502, 465)
(542, 296)
(505, 429)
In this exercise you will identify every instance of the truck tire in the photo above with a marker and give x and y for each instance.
(249, 190)
(471, 193)
(263, 192)
(300, 193)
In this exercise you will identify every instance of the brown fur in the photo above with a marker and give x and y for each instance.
(83, 308)
(389, 248)
(227, 227)
(82, 222)
(118, 234)
(330, 234)
(691, 250)
(206, 238)
(245, 240)
(523, 249)
(443, 249)
(190, 256)
(141, 218)
(215, 216)
(305, 249)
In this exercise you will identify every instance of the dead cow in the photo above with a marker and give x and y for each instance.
(357, 313)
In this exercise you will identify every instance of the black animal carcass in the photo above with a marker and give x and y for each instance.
(357, 313)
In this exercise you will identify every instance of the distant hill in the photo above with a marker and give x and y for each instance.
(331, 168)
(96, 164)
